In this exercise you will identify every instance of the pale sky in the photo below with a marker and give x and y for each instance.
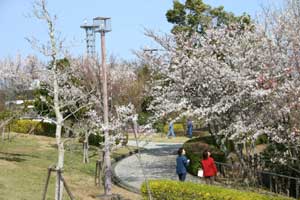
(129, 18)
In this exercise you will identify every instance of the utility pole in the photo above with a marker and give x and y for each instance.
(102, 26)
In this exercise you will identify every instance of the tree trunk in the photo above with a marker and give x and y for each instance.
(3, 126)
(8, 133)
(60, 145)
(3, 133)
(86, 148)
(238, 147)
(60, 164)
(101, 165)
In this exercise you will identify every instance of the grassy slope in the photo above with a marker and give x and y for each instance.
(23, 169)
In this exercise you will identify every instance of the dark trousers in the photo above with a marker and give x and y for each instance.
(209, 179)
(190, 132)
(182, 177)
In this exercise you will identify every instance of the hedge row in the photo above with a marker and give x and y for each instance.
(180, 130)
(95, 140)
(47, 129)
(176, 190)
(194, 149)
(40, 128)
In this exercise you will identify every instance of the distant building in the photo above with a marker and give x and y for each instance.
(15, 102)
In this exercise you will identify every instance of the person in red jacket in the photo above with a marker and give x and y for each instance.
(209, 167)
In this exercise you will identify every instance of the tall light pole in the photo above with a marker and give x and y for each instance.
(102, 25)
(90, 39)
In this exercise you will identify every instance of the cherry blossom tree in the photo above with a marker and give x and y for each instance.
(242, 81)
(216, 76)
(61, 80)
(281, 27)
(121, 78)
(18, 80)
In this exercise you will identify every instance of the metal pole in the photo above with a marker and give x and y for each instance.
(107, 184)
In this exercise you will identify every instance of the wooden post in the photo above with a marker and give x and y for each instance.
(96, 174)
(59, 173)
(66, 186)
(47, 182)
(100, 173)
(8, 134)
(271, 184)
(297, 188)
(275, 185)
(107, 161)
(3, 133)
(288, 187)
(59, 184)
(260, 181)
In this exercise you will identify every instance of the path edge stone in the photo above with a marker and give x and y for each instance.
(118, 181)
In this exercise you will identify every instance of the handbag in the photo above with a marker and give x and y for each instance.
(200, 173)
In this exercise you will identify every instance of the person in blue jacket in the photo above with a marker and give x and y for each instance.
(171, 130)
(181, 164)
(190, 128)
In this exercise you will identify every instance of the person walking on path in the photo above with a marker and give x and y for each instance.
(190, 128)
(171, 130)
(209, 167)
(181, 164)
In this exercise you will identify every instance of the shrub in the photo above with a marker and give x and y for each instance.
(125, 139)
(25, 125)
(194, 149)
(143, 118)
(262, 139)
(159, 126)
(96, 139)
(5, 114)
(178, 129)
(176, 190)
(277, 150)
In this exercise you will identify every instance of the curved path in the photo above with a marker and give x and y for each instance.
(159, 160)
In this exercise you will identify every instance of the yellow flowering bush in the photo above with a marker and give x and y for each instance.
(176, 190)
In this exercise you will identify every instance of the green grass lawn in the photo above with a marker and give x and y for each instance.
(23, 169)
(161, 138)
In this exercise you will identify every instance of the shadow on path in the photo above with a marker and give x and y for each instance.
(159, 161)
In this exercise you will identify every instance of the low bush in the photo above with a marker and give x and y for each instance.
(123, 140)
(262, 139)
(176, 190)
(96, 139)
(178, 129)
(143, 118)
(194, 149)
(159, 126)
(40, 128)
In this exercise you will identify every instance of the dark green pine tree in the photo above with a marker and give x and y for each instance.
(196, 16)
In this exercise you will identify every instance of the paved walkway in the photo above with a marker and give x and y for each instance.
(159, 160)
